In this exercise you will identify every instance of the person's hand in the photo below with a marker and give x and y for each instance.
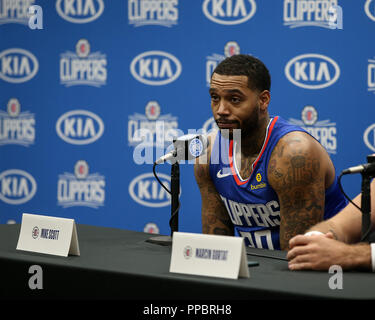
(317, 252)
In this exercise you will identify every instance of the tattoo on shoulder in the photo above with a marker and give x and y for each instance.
(296, 176)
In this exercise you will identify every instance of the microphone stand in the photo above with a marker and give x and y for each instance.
(175, 192)
(366, 201)
(366, 206)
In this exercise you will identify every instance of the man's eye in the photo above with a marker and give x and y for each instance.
(214, 98)
(236, 99)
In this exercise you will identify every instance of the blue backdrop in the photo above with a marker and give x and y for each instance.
(78, 96)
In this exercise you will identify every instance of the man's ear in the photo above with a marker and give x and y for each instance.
(264, 100)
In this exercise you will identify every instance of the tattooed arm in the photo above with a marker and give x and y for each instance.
(299, 171)
(215, 218)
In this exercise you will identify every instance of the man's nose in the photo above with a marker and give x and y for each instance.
(223, 108)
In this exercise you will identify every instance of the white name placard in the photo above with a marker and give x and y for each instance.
(50, 235)
(209, 255)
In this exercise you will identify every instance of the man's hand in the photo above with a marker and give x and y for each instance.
(320, 252)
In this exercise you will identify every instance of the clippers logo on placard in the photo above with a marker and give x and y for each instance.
(188, 252)
(12, 11)
(231, 48)
(324, 131)
(229, 12)
(80, 11)
(81, 188)
(312, 71)
(16, 127)
(35, 232)
(155, 68)
(83, 67)
(79, 127)
(17, 65)
(151, 12)
(17, 186)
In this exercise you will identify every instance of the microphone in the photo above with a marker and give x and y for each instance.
(187, 147)
(367, 168)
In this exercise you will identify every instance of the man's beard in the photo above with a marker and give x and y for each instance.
(249, 127)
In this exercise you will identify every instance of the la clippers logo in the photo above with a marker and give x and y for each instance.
(312, 13)
(35, 232)
(17, 65)
(79, 11)
(155, 68)
(231, 48)
(370, 9)
(146, 191)
(369, 137)
(151, 12)
(152, 128)
(79, 127)
(81, 188)
(188, 252)
(83, 67)
(16, 127)
(15, 11)
(229, 12)
(324, 131)
(312, 71)
(16, 186)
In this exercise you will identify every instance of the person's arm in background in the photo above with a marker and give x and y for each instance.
(338, 243)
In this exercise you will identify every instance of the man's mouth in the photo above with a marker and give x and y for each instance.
(225, 124)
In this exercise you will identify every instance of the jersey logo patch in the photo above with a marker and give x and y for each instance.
(221, 174)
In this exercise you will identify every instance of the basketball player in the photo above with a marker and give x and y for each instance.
(278, 181)
(335, 242)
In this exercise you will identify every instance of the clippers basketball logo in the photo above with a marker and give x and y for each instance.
(155, 68)
(151, 12)
(152, 129)
(188, 252)
(79, 127)
(81, 188)
(370, 9)
(15, 11)
(17, 65)
(35, 232)
(317, 13)
(369, 137)
(83, 67)
(80, 11)
(312, 71)
(17, 186)
(231, 48)
(324, 130)
(145, 190)
(229, 12)
(151, 228)
(371, 75)
(16, 127)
